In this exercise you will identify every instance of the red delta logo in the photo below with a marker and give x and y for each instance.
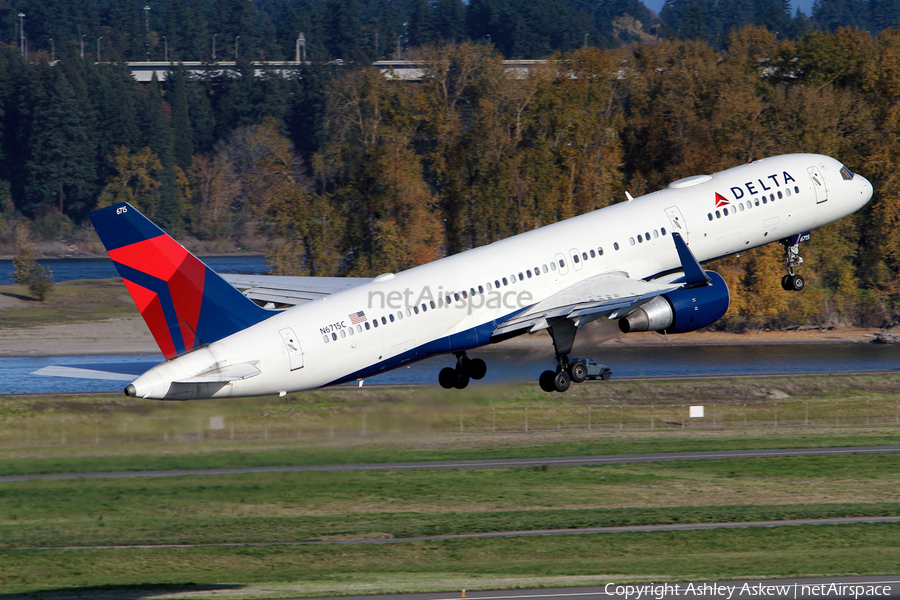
(721, 200)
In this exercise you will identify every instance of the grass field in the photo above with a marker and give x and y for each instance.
(40, 518)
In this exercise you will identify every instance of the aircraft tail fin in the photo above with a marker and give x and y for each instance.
(184, 303)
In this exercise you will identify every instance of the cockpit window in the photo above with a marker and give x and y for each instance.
(846, 173)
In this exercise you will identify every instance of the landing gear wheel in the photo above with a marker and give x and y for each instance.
(578, 372)
(797, 283)
(447, 377)
(786, 283)
(476, 368)
(561, 381)
(461, 379)
(547, 381)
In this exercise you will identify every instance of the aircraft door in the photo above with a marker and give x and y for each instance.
(576, 259)
(819, 184)
(294, 350)
(678, 222)
(562, 263)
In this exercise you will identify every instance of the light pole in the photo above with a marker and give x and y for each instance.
(166, 44)
(82, 45)
(52, 51)
(147, 29)
(98, 49)
(237, 39)
(214, 46)
(585, 40)
(22, 32)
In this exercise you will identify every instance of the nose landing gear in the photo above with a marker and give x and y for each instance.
(466, 368)
(793, 282)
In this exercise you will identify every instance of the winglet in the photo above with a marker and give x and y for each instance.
(694, 275)
(184, 303)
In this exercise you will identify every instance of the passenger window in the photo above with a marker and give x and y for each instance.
(780, 196)
(662, 230)
(725, 211)
(383, 321)
(616, 245)
(771, 197)
(456, 296)
(472, 292)
(764, 200)
(448, 300)
(756, 201)
(375, 322)
(631, 239)
(544, 267)
(584, 256)
(521, 277)
(512, 278)
(575, 258)
(655, 233)
(553, 266)
(640, 239)
(718, 215)
(416, 309)
(797, 189)
(749, 204)
(325, 337)
(647, 235)
(334, 336)
(537, 271)
(528, 272)
(431, 303)
(505, 282)
(497, 284)
(464, 294)
(593, 254)
(440, 302)
(391, 316)
(367, 326)
(424, 308)
(788, 192)
(709, 216)
(562, 263)
(359, 328)
(350, 330)
(480, 290)
(741, 206)
(600, 251)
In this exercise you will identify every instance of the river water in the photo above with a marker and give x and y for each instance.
(503, 364)
(521, 365)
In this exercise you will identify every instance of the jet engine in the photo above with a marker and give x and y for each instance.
(683, 310)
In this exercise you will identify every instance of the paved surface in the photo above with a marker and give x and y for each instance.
(510, 463)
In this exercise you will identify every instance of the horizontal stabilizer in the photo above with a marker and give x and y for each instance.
(225, 374)
(109, 371)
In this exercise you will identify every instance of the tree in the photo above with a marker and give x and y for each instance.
(135, 180)
(28, 272)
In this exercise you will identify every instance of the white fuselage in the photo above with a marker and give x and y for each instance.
(766, 201)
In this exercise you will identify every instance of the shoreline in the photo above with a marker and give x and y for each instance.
(130, 336)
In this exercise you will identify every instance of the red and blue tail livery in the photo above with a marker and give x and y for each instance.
(184, 303)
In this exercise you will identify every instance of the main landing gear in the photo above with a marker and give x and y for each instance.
(792, 282)
(563, 334)
(466, 368)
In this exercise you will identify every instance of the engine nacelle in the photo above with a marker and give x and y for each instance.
(683, 310)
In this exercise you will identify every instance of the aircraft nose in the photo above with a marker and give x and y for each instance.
(866, 190)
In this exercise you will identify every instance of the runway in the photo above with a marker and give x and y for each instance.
(509, 463)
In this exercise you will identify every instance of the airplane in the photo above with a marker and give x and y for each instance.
(636, 262)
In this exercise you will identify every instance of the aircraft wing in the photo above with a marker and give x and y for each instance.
(290, 290)
(611, 295)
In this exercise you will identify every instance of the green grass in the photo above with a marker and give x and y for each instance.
(69, 302)
(471, 563)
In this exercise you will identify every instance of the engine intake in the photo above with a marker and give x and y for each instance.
(681, 311)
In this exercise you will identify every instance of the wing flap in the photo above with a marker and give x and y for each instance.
(291, 290)
(609, 294)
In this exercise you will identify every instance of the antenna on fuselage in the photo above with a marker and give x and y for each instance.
(629, 196)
